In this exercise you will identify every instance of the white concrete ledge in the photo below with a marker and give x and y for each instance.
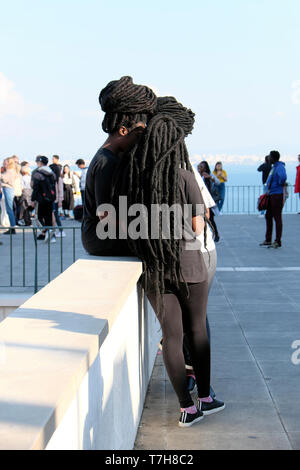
(9, 302)
(79, 330)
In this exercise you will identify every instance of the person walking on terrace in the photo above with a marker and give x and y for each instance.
(44, 193)
(275, 184)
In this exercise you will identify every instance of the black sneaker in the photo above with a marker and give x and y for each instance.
(41, 236)
(210, 408)
(10, 231)
(265, 243)
(275, 245)
(188, 419)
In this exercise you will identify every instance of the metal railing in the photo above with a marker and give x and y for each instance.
(243, 200)
(29, 262)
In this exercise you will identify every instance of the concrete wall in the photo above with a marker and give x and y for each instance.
(76, 360)
(10, 302)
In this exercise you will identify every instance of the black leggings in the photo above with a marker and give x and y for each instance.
(213, 223)
(185, 314)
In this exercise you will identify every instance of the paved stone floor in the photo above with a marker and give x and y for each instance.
(254, 315)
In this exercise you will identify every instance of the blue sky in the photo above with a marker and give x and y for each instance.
(235, 63)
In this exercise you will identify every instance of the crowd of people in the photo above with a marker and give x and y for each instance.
(45, 195)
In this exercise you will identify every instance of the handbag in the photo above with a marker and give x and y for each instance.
(264, 200)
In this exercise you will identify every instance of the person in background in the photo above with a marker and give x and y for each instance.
(77, 194)
(55, 160)
(26, 204)
(209, 180)
(209, 252)
(4, 219)
(297, 182)
(265, 169)
(8, 178)
(222, 177)
(44, 193)
(18, 190)
(57, 204)
(69, 189)
(275, 184)
(82, 175)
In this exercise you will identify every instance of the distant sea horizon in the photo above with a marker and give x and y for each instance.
(238, 174)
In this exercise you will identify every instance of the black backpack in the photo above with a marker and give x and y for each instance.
(46, 191)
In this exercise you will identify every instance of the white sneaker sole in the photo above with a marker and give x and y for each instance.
(214, 410)
(188, 425)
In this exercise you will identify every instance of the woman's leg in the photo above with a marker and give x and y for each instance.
(277, 206)
(221, 189)
(210, 260)
(172, 329)
(56, 214)
(269, 223)
(9, 204)
(194, 321)
(212, 220)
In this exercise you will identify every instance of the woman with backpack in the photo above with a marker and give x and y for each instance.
(44, 193)
(211, 183)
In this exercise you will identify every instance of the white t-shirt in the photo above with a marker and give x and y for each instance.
(26, 179)
(209, 203)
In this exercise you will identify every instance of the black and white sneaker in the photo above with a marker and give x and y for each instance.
(210, 408)
(188, 419)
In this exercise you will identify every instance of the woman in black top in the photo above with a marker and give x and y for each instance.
(157, 171)
(127, 108)
(68, 201)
